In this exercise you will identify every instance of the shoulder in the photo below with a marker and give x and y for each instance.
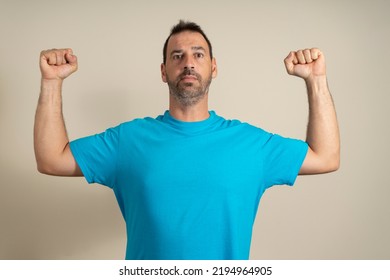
(244, 130)
(138, 123)
(242, 125)
(140, 128)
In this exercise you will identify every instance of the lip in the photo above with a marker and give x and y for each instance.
(189, 78)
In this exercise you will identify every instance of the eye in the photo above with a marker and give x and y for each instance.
(199, 55)
(177, 56)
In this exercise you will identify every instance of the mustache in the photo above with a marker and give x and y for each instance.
(189, 72)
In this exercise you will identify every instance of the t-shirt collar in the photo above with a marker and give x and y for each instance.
(197, 126)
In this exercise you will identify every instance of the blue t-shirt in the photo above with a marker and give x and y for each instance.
(188, 190)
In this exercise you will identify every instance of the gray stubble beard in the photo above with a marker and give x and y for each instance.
(187, 94)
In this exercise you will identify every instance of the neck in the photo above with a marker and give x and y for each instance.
(194, 113)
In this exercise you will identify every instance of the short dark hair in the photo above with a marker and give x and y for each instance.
(185, 26)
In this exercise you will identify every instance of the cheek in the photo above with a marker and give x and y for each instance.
(172, 74)
(167, 74)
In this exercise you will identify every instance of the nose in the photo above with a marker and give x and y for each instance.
(188, 62)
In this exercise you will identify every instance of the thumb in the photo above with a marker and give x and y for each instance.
(290, 61)
(71, 58)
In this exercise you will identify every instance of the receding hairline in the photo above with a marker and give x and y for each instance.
(205, 48)
(186, 26)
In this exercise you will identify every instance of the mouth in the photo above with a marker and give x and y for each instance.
(188, 78)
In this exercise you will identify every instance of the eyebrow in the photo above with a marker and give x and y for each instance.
(197, 48)
(194, 48)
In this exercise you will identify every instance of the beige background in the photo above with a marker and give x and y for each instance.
(343, 215)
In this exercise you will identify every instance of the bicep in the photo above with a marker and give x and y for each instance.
(71, 168)
(314, 164)
(64, 164)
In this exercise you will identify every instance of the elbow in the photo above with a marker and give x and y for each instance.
(43, 168)
(58, 167)
(320, 163)
(333, 163)
(325, 166)
(334, 166)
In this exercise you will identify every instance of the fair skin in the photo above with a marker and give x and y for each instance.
(186, 50)
(322, 131)
(51, 142)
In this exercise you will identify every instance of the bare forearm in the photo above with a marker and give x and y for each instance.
(323, 131)
(51, 143)
(50, 137)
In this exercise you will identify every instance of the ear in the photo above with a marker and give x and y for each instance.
(214, 68)
(163, 73)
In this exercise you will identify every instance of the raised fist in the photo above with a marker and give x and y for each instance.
(306, 64)
(57, 64)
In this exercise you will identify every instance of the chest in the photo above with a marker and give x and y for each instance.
(191, 166)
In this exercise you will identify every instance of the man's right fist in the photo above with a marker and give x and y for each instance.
(57, 64)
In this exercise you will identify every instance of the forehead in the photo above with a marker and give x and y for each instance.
(185, 40)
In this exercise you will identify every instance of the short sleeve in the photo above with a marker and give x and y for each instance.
(96, 156)
(283, 158)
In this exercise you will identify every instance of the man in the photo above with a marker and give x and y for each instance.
(188, 182)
